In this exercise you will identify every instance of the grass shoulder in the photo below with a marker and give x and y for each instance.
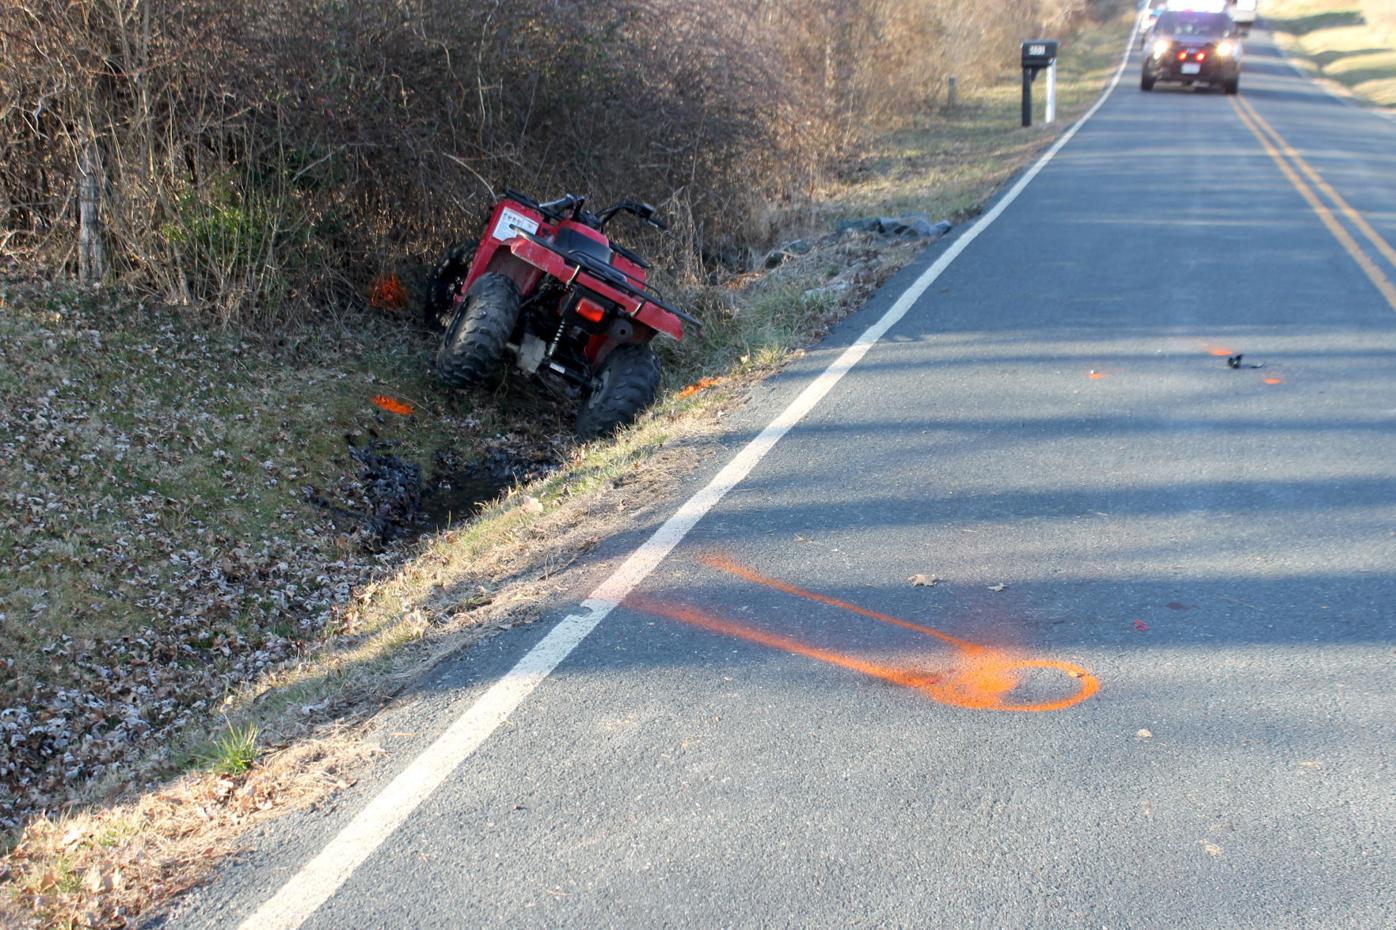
(1351, 44)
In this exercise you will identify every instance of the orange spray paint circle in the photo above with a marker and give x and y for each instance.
(986, 681)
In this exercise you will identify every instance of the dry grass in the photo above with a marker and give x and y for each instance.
(103, 867)
(1350, 43)
(530, 548)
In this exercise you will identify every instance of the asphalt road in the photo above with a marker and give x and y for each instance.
(1054, 433)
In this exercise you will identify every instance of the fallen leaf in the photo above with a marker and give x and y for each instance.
(998, 587)
(1211, 848)
(1141, 626)
(924, 581)
(1143, 734)
(72, 836)
(531, 504)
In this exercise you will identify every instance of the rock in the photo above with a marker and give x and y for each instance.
(831, 291)
(857, 226)
(911, 226)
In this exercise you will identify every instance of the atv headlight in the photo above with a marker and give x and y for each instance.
(1226, 48)
(1161, 47)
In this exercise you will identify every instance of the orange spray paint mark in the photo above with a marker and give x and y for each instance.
(1219, 351)
(1096, 375)
(979, 678)
(702, 384)
(392, 405)
(387, 293)
(1274, 380)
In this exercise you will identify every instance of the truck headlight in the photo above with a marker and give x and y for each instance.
(1161, 47)
(1226, 48)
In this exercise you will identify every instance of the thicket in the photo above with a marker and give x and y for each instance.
(258, 160)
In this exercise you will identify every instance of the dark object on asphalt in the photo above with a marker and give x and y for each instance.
(911, 226)
(1192, 47)
(1234, 361)
(547, 287)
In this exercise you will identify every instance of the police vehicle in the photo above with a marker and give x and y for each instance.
(1193, 44)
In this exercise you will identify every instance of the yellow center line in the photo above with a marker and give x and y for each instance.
(1345, 239)
(1357, 219)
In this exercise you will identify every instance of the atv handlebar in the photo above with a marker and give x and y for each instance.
(641, 211)
(572, 204)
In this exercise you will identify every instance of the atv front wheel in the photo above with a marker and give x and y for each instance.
(474, 344)
(446, 279)
(626, 384)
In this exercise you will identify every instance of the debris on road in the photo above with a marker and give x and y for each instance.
(1143, 735)
(998, 587)
(1234, 362)
(1141, 626)
(924, 581)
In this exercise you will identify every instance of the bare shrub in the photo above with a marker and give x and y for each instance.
(256, 161)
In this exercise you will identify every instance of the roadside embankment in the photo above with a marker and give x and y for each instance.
(1350, 44)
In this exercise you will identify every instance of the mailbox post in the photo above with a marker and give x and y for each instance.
(1039, 54)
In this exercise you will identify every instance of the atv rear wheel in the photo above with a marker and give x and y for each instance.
(626, 384)
(474, 344)
(446, 279)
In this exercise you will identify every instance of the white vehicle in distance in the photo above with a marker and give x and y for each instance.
(1148, 15)
(1243, 13)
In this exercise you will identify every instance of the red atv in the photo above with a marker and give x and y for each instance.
(547, 287)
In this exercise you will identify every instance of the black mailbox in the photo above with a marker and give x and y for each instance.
(1039, 53)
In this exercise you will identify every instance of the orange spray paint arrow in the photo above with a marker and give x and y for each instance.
(980, 678)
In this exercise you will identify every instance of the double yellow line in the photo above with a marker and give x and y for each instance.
(1283, 154)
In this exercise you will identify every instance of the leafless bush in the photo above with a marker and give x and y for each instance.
(261, 160)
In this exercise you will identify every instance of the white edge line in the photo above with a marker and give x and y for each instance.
(321, 877)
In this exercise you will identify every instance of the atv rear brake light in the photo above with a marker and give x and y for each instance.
(1182, 56)
(1201, 56)
(590, 310)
